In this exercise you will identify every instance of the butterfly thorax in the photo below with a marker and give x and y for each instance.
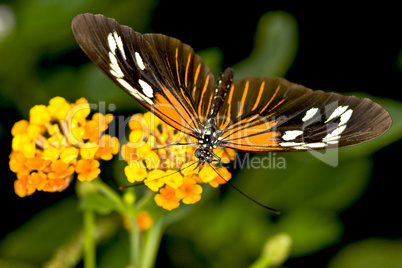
(209, 138)
(207, 141)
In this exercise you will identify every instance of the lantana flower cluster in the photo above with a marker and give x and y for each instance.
(58, 141)
(169, 170)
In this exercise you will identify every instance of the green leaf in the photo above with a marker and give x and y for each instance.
(98, 203)
(394, 108)
(306, 182)
(310, 230)
(35, 241)
(369, 253)
(275, 47)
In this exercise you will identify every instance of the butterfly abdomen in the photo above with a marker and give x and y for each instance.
(220, 93)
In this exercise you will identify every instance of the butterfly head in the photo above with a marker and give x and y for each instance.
(204, 154)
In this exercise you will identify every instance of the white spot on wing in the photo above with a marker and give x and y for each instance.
(335, 134)
(139, 61)
(134, 92)
(337, 112)
(309, 114)
(119, 43)
(343, 112)
(146, 88)
(114, 66)
(291, 144)
(345, 117)
(291, 134)
(112, 43)
(315, 145)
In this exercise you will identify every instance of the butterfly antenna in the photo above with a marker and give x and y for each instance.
(142, 183)
(172, 144)
(244, 194)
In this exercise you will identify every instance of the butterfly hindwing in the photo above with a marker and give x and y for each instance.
(276, 115)
(160, 72)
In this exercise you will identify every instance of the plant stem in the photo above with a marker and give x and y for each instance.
(110, 193)
(89, 239)
(135, 242)
(151, 244)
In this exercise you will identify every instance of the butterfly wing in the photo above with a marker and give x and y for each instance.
(266, 114)
(160, 72)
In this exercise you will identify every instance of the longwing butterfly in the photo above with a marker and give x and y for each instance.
(253, 114)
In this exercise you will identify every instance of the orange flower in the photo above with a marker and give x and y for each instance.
(60, 170)
(218, 180)
(93, 128)
(189, 191)
(37, 162)
(144, 220)
(28, 184)
(129, 153)
(167, 198)
(87, 169)
(17, 163)
(108, 146)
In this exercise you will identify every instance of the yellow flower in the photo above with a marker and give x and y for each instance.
(136, 171)
(58, 108)
(79, 111)
(88, 150)
(207, 174)
(155, 180)
(151, 159)
(34, 131)
(144, 150)
(174, 180)
(51, 153)
(136, 137)
(69, 155)
(19, 127)
(39, 115)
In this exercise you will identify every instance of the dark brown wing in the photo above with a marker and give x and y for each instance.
(160, 72)
(266, 114)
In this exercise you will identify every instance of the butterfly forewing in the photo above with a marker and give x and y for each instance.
(269, 114)
(160, 72)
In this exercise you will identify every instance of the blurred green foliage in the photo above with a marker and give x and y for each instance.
(309, 192)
